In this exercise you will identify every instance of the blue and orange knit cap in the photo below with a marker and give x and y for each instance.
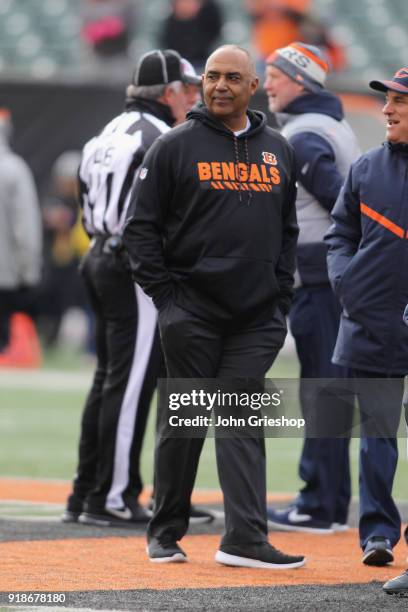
(305, 64)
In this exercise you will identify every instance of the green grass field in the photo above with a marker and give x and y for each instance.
(39, 430)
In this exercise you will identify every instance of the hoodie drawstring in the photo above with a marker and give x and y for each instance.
(237, 162)
(248, 167)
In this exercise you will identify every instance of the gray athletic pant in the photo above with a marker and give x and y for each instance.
(195, 348)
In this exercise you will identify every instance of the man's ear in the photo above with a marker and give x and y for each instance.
(254, 85)
(166, 96)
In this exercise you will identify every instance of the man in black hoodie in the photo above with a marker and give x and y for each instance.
(312, 120)
(212, 236)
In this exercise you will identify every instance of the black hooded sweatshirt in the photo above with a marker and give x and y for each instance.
(212, 220)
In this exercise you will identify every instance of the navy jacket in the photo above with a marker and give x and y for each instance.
(325, 147)
(315, 161)
(368, 262)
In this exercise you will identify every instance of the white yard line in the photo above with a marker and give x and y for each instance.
(42, 480)
(32, 504)
(45, 380)
(30, 518)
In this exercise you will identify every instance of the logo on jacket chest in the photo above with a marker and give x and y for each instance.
(269, 158)
(264, 177)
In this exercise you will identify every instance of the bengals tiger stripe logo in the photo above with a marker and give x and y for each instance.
(269, 158)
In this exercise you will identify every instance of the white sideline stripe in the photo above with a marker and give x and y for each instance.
(45, 380)
(22, 503)
(42, 480)
(30, 518)
(146, 326)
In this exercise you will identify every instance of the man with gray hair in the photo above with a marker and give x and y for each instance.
(312, 119)
(108, 482)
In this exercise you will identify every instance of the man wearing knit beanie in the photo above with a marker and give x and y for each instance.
(312, 120)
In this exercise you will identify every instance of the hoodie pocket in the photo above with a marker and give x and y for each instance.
(347, 290)
(237, 285)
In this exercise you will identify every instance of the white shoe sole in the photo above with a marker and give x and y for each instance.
(235, 561)
(68, 517)
(177, 558)
(391, 587)
(340, 527)
(113, 522)
(282, 527)
(214, 516)
(85, 520)
(382, 557)
(200, 520)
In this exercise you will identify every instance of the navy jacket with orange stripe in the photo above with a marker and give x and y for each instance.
(368, 262)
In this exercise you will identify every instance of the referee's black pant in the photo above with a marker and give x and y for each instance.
(128, 365)
(195, 348)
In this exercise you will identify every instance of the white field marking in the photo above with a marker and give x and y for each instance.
(42, 480)
(45, 380)
(30, 511)
(31, 518)
(33, 504)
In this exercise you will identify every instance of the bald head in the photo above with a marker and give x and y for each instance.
(232, 51)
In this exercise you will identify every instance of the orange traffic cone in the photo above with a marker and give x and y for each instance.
(23, 350)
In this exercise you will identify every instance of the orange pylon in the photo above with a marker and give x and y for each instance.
(23, 350)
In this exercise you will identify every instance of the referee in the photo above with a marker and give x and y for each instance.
(108, 482)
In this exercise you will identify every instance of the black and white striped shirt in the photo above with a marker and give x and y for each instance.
(109, 166)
